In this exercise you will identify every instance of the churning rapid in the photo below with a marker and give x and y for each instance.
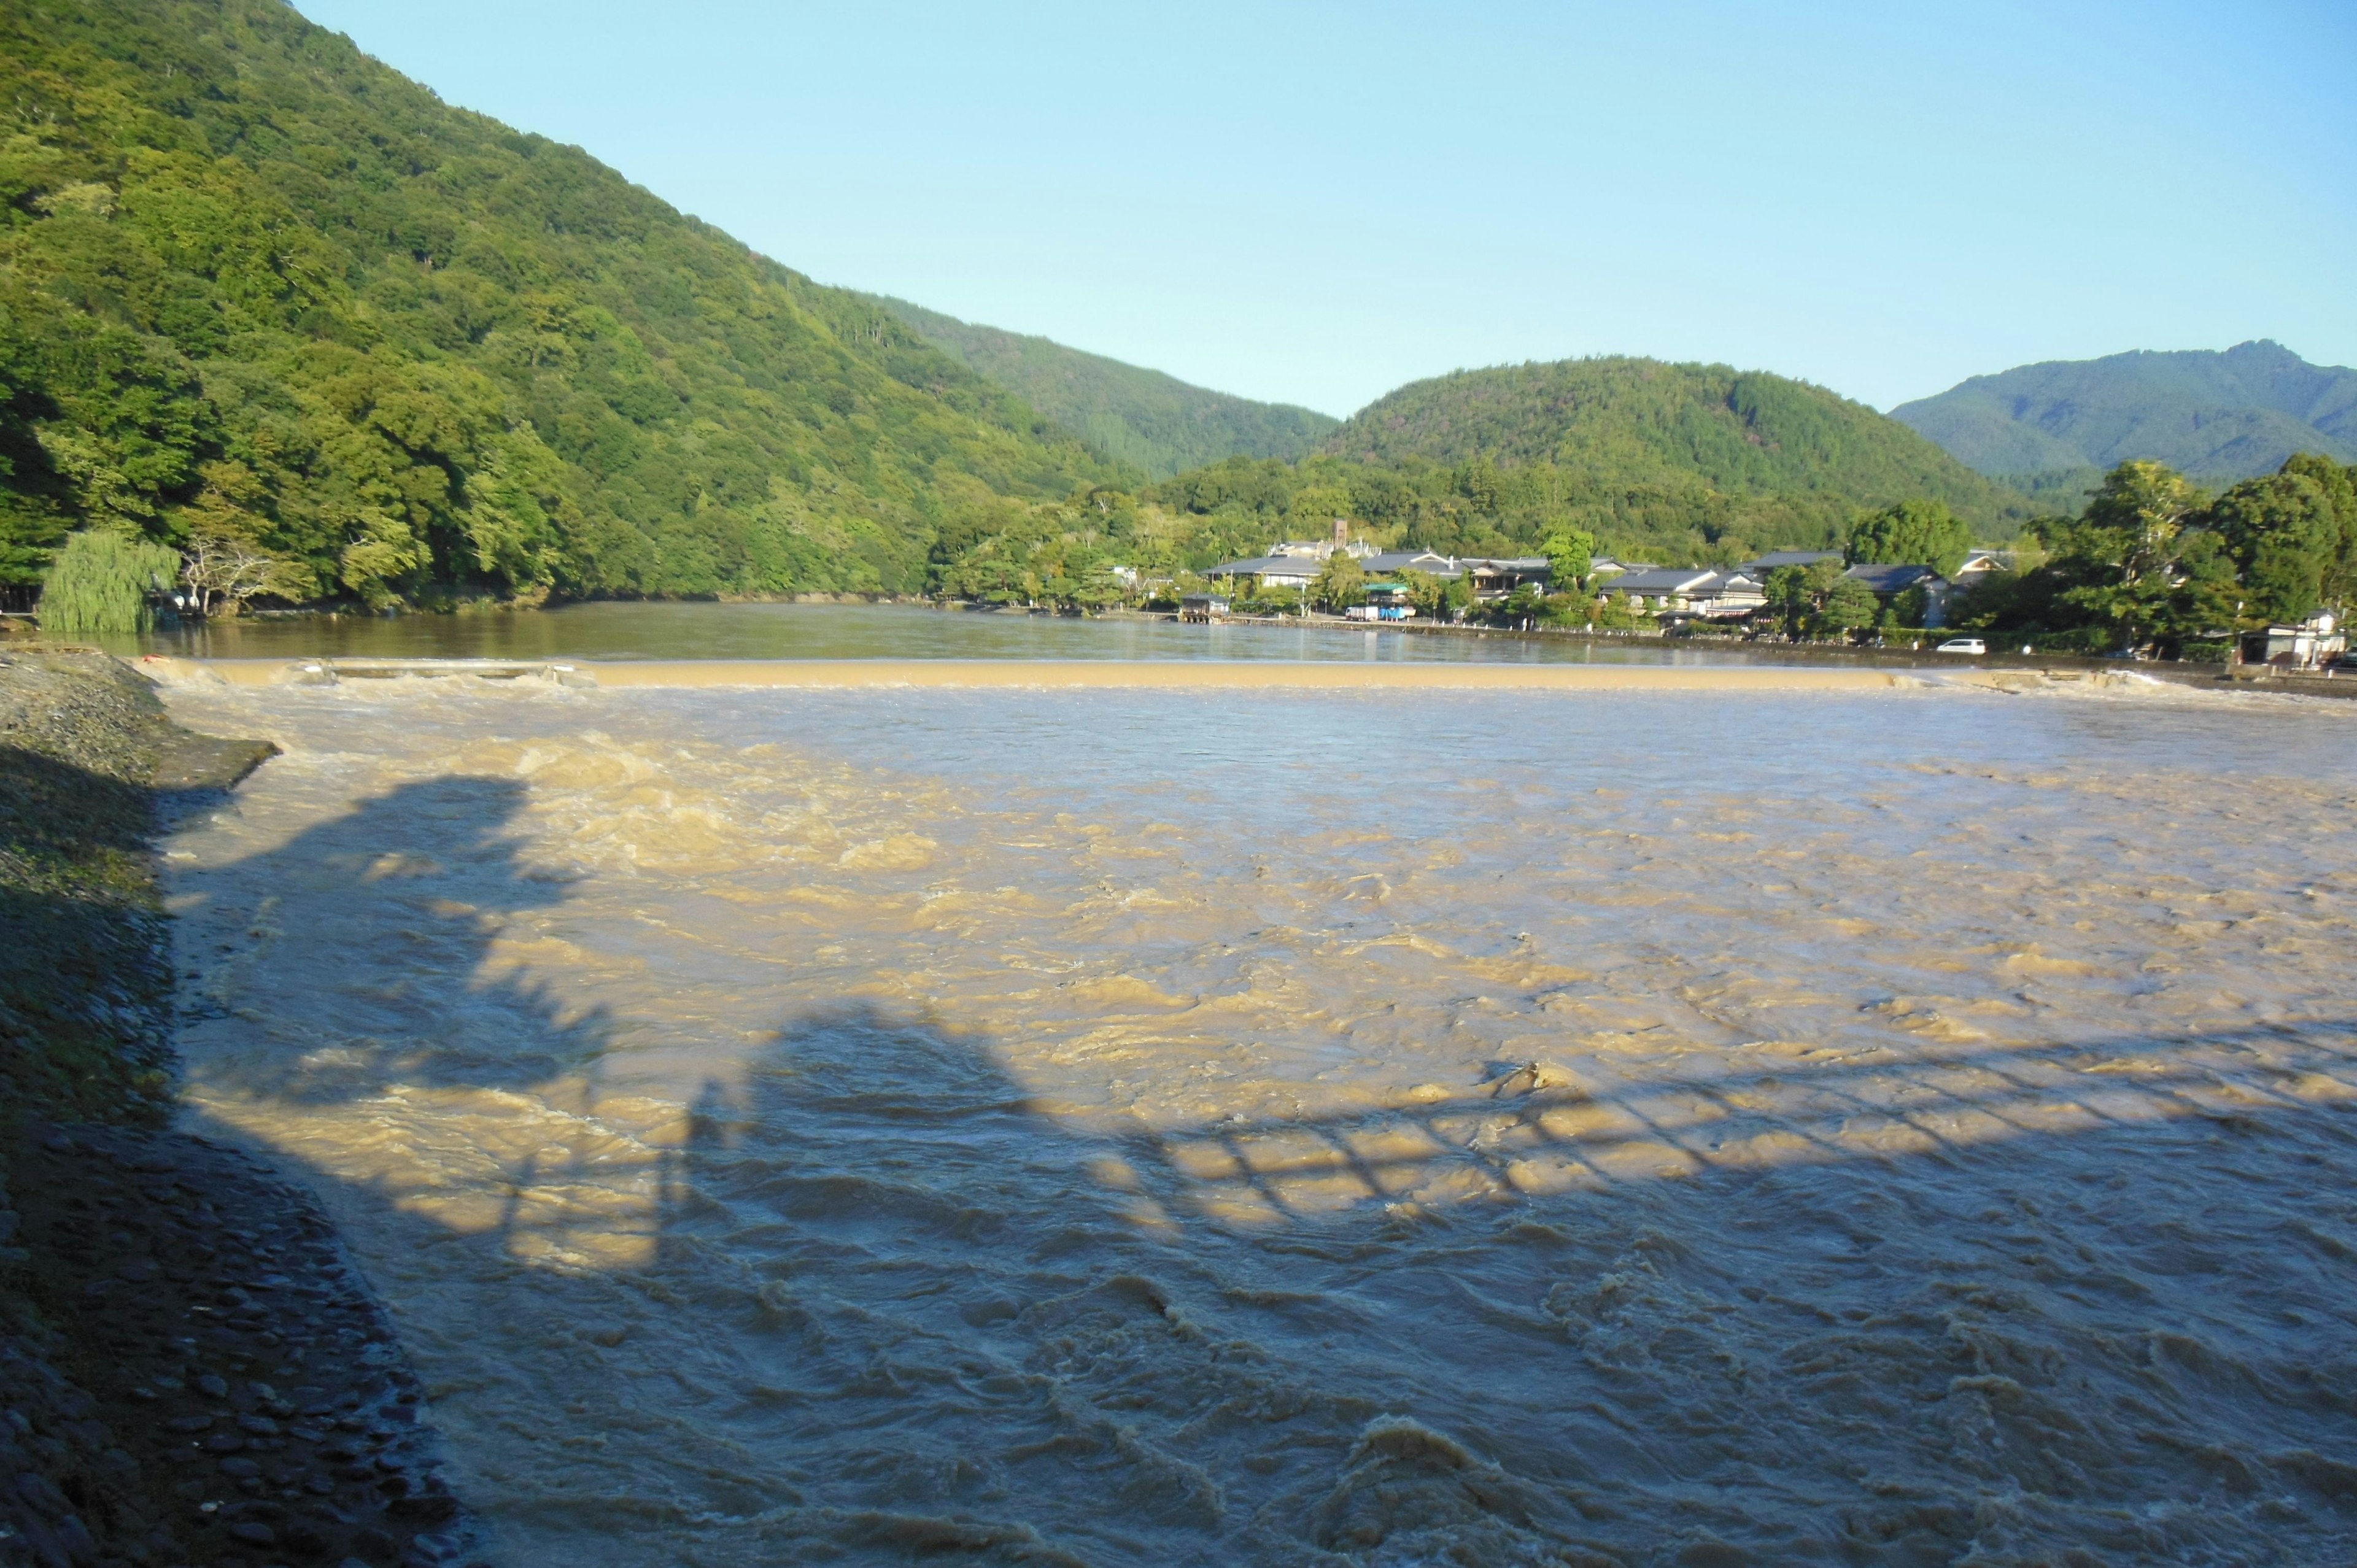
(1154, 1127)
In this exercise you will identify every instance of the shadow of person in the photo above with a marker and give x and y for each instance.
(946, 1317)
(953, 1320)
(889, 1302)
(397, 905)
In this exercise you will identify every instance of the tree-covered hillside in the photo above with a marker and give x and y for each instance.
(1144, 418)
(257, 289)
(1641, 449)
(2218, 416)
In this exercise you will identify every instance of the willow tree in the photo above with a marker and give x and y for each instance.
(104, 582)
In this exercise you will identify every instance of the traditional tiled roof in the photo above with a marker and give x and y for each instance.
(1760, 569)
(1663, 580)
(1890, 579)
(1268, 566)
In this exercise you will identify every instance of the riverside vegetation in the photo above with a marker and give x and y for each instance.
(270, 304)
(2153, 561)
(276, 320)
(255, 287)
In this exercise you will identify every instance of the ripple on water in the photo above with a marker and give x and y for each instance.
(1148, 1127)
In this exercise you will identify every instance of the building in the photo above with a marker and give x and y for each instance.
(1660, 586)
(1498, 578)
(1202, 606)
(1293, 564)
(1888, 582)
(1698, 590)
(1296, 563)
(1424, 561)
(1757, 570)
(1273, 570)
(2316, 642)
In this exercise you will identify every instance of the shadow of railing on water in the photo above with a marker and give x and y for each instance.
(876, 1286)
(1536, 1130)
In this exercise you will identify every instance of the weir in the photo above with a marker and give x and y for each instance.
(1093, 674)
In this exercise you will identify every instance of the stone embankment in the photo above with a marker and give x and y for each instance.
(191, 1370)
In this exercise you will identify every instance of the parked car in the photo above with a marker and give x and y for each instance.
(1972, 645)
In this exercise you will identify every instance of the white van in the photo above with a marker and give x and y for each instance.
(1972, 645)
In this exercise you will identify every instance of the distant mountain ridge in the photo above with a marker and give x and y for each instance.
(1610, 425)
(1124, 413)
(2219, 416)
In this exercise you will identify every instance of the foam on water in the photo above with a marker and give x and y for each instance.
(1148, 1127)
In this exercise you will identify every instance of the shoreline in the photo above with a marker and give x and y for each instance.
(1450, 644)
(836, 674)
(192, 1368)
(1265, 675)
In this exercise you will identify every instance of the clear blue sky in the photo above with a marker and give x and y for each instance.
(1316, 202)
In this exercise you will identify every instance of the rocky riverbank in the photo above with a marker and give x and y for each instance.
(192, 1371)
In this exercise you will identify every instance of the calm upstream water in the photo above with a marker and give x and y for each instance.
(842, 631)
(1132, 1127)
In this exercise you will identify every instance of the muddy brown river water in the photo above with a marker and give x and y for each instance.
(1149, 1126)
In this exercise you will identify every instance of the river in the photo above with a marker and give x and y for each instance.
(670, 630)
(1147, 1127)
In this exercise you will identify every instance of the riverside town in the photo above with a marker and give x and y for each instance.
(1535, 785)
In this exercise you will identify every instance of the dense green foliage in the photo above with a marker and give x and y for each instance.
(2055, 427)
(2153, 563)
(1144, 419)
(254, 283)
(1636, 448)
(1639, 459)
(1632, 458)
(1911, 533)
(103, 582)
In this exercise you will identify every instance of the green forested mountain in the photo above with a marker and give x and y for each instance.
(2217, 417)
(1143, 418)
(1695, 461)
(257, 289)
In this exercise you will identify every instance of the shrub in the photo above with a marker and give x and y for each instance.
(103, 584)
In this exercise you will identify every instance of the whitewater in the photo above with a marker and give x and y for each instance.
(1137, 1125)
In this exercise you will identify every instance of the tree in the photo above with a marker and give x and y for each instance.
(1426, 592)
(1787, 592)
(1616, 614)
(1317, 507)
(224, 569)
(1911, 533)
(104, 582)
(2117, 564)
(2338, 485)
(2281, 534)
(1798, 594)
(1850, 605)
(1571, 557)
(1340, 583)
(1526, 600)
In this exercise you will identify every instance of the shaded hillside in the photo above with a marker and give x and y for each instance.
(1637, 447)
(2218, 416)
(255, 286)
(1144, 418)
